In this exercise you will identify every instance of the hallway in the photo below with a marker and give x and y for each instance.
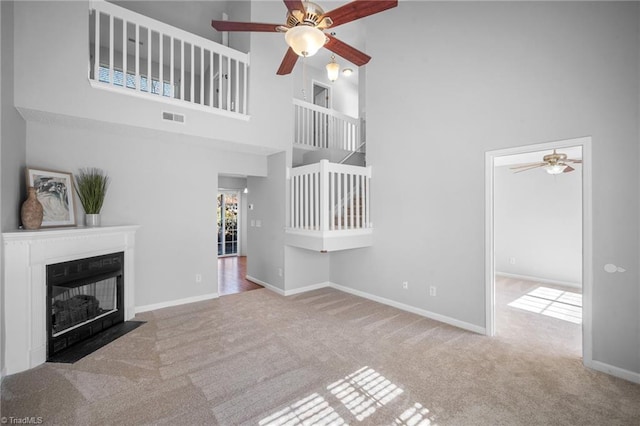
(231, 276)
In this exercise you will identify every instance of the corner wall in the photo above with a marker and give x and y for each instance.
(265, 246)
(167, 185)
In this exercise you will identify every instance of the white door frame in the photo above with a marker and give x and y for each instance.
(587, 235)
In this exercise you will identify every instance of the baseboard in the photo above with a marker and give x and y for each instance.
(266, 285)
(307, 288)
(540, 280)
(613, 371)
(422, 312)
(154, 306)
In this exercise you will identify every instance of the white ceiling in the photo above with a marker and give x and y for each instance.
(574, 152)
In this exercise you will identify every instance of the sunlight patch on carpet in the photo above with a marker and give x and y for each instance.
(364, 391)
(312, 410)
(417, 415)
(560, 304)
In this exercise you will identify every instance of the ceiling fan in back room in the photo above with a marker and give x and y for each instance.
(554, 163)
(305, 25)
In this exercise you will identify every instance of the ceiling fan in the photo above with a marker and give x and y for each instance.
(305, 25)
(554, 164)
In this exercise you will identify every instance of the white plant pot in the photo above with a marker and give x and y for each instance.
(92, 220)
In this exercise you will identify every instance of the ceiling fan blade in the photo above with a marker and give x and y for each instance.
(574, 161)
(349, 53)
(358, 9)
(244, 26)
(530, 168)
(293, 5)
(568, 169)
(522, 166)
(288, 62)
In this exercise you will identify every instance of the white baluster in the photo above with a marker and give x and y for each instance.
(182, 64)
(112, 39)
(201, 75)
(161, 62)
(171, 70)
(192, 84)
(125, 39)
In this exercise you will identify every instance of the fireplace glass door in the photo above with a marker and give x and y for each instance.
(84, 297)
(78, 305)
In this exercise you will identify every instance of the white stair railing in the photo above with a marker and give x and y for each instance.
(330, 197)
(320, 127)
(137, 55)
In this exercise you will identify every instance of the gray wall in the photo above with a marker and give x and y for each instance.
(482, 76)
(13, 131)
(305, 268)
(538, 223)
(265, 251)
(165, 184)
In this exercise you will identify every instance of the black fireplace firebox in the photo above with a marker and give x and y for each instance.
(84, 297)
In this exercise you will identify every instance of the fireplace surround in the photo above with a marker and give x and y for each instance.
(27, 254)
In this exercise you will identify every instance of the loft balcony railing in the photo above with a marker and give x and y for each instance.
(319, 127)
(330, 207)
(137, 55)
(330, 197)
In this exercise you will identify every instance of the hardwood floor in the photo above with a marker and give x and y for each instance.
(231, 275)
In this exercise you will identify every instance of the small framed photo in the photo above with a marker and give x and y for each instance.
(55, 192)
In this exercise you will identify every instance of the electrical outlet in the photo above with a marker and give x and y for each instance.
(405, 285)
(279, 272)
(432, 290)
(198, 278)
(512, 260)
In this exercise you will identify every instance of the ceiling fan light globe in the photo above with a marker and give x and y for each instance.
(305, 40)
(555, 169)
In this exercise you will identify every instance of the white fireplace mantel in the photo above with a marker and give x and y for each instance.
(26, 256)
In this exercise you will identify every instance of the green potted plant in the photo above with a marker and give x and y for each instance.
(91, 187)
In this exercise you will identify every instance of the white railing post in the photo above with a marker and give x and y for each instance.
(324, 195)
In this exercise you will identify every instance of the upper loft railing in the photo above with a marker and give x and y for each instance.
(319, 127)
(137, 55)
(330, 197)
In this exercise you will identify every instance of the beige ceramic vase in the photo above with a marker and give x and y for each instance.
(31, 212)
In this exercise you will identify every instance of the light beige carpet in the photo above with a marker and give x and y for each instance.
(323, 357)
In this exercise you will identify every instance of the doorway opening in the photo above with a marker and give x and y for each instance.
(538, 245)
(228, 209)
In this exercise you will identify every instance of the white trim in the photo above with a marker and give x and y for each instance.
(540, 280)
(266, 285)
(418, 311)
(587, 236)
(614, 371)
(307, 288)
(178, 302)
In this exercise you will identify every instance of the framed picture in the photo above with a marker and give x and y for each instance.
(55, 192)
